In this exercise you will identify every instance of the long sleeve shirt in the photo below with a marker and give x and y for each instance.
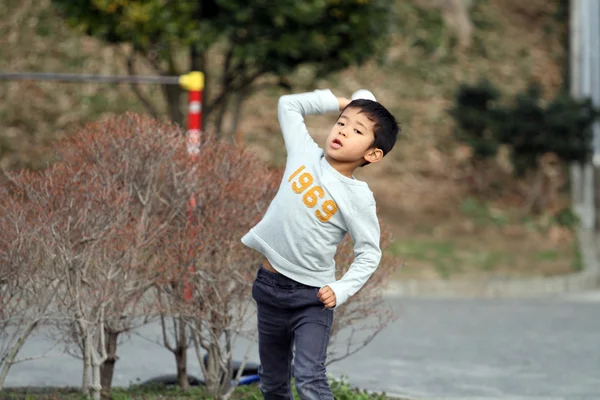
(315, 207)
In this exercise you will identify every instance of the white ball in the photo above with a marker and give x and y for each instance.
(363, 94)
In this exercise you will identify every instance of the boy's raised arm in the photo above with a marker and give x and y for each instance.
(292, 109)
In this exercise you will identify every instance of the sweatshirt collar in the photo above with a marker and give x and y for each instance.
(353, 181)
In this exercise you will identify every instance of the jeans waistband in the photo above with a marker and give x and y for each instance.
(277, 279)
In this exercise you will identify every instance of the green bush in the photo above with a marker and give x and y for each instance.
(527, 125)
(476, 118)
(341, 391)
(531, 128)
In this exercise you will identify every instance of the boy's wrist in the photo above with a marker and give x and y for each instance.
(343, 102)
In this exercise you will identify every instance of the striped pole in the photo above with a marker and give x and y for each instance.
(193, 82)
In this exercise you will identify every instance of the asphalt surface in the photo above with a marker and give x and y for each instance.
(438, 349)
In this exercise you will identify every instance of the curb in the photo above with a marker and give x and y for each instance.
(586, 279)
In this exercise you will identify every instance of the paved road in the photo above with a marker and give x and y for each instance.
(438, 349)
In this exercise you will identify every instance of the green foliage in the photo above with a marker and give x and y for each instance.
(442, 255)
(481, 214)
(341, 391)
(528, 126)
(577, 264)
(566, 218)
(147, 24)
(475, 115)
(546, 255)
(279, 35)
(260, 36)
(331, 34)
(423, 28)
(569, 123)
(522, 128)
(532, 128)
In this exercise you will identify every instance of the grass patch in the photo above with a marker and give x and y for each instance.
(510, 251)
(482, 214)
(341, 389)
(448, 258)
(546, 255)
(577, 263)
(442, 256)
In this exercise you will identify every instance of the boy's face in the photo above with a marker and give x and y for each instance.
(351, 139)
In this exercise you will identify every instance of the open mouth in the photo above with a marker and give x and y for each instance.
(336, 143)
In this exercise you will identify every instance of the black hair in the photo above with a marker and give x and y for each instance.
(386, 127)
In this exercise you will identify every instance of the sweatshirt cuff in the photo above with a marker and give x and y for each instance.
(328, 100)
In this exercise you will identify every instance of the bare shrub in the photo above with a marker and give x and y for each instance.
(76, 217)
(364, 315)
(102, 209)
(112, 221)
(144, 163)
(235, 190)
(27, 291)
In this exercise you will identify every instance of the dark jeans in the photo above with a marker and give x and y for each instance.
(290, 314)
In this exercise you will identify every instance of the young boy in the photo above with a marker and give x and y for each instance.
(318, 202)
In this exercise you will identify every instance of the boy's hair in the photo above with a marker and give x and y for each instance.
(386, 127)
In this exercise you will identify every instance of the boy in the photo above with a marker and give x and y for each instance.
(318, 202)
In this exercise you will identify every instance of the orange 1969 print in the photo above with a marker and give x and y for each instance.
(312, 194)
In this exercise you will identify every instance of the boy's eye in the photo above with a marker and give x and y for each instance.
(357, 131)
(340, 123)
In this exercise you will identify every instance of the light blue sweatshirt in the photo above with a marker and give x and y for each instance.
(315, 207)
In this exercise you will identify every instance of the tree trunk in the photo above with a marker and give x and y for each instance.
(533, 193)
(85, 378)
(96, 387)
(181, 355)
(98, 356)
(213, 383)
(235, 136)
(220, 119)
(172, 94)
(107, 368)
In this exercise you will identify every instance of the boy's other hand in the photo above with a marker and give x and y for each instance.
(327, 297)
(343, 102)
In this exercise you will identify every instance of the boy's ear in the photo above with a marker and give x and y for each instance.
(374, 155)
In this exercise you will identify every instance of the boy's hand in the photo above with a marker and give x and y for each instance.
(343, 102)
(327, 297)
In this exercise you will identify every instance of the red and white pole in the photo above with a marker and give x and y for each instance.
(193, 82)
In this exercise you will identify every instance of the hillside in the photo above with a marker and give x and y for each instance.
(424, 187)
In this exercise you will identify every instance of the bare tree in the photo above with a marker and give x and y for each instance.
(76, 216)
(236, 189)
(174, 326)
(114, 226)
(26, 290)
(143, 164)
(100, 209)
(364, 315)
